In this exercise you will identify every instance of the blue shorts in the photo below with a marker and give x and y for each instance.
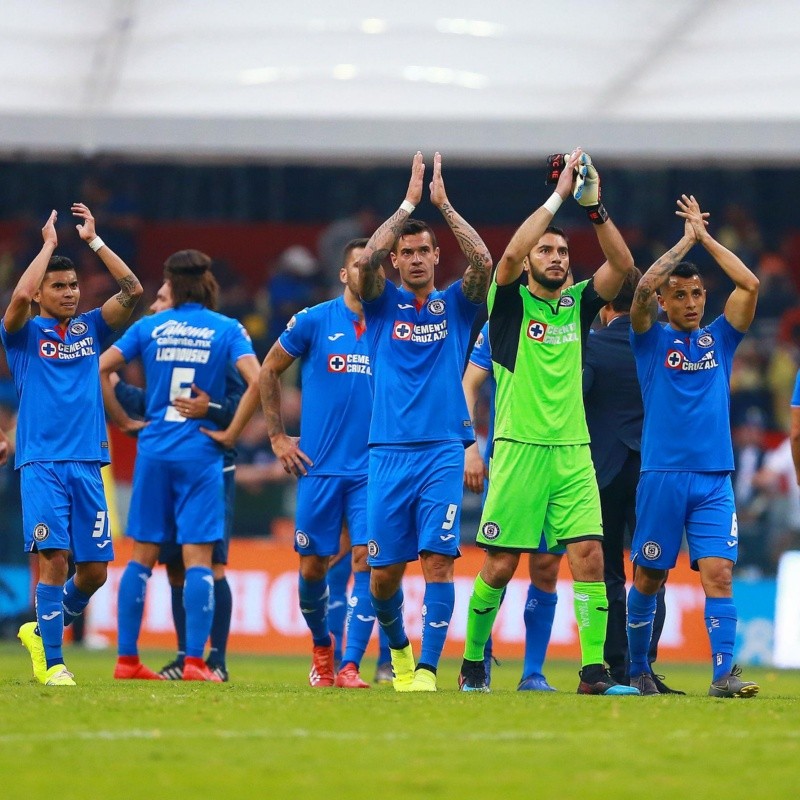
(323, 503)
(177, 501)
(669, 502)
(171, 551)
(64, 508)
(414, 501)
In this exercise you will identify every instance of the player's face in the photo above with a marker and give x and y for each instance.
(349, 274)
(163, 299)
(415, 258)
(683, 301)
(59, 295)
(548, 262)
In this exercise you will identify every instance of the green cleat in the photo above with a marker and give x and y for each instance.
(58, 675)
(403, 666)
(32, 642)
(424, 681)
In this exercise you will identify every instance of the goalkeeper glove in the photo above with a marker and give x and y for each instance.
(587, 190)
(555, 166)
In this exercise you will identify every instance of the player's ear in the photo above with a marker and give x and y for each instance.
(436, 256)
(342, 275)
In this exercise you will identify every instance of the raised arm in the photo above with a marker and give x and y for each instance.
(19, 307)
(522, 242)
(479, 262)
(116, 310)
(741, 305)
(370, 264)
(475, 468)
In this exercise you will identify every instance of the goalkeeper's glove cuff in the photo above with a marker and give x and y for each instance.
(597, 214)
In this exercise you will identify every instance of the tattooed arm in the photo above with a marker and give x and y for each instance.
(116, 310)
(479, 270)
(370, 264)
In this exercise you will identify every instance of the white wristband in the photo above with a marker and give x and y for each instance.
(553, 203)
(96, 243)
(406, 206)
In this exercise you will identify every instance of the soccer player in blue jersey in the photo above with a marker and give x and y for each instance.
(330, 459)
(687, 456)
(61, 434)
(543, 564)
(418, 337)
(198, 406)
(178, 484)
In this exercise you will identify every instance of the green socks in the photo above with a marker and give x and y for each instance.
(591, 614)
(483, 606)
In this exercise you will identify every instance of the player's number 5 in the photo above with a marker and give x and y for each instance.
(180, 385)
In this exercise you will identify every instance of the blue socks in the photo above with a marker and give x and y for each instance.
(720, 615)
(360, 619)
(540, 611)
(130, 607)
(50, 617)
(384, 656)
(641, 613)
(198, 603)
(73, 601)
(314, 608)
(221, 624)
(179, 619)
(437, 610)
(390, 616)
(338, 576)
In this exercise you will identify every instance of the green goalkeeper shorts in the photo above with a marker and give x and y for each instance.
(538, 488)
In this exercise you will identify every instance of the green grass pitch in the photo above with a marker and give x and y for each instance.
(267, 734)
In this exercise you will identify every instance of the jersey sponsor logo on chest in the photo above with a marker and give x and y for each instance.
(677, 360)
(403, 331)
(551, 334)
(62, 351)
(344, 363)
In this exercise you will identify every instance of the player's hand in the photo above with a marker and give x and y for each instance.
(414, 193)
(85, 229)
(49, 235)
(475, 470)
(5, 448)
(222, 438)
(695, 220)
(438, 194)
(287, 450)
(133, 426)
(587, 184)
(193, 407)
(566, 179)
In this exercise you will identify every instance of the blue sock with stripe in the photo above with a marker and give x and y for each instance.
(73, 601)
(360, 619)
(130, 607)
(641, 613)
(198, 602)
(720, 616)
(390, 616)
(338, 611)
(437, 611)
(50, 617)
(314, 608)
(540, 611)
(221, 624)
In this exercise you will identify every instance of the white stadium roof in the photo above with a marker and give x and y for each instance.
(313, 80)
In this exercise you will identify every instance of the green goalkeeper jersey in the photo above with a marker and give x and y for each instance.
(537, 357)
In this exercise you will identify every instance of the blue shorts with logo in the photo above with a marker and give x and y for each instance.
(667, 503)
(64, 508)
(171, 551)
(414, 501)
(177, 501)
(324, 502)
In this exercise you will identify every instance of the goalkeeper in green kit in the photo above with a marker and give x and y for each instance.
(541, 472)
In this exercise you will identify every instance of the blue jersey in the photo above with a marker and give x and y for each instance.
(418, 352)
(685, 380)
(481, 357)
(335, 374)
(56, 372)
(178, 347)
(796, 392)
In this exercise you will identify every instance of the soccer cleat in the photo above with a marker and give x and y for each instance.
(424, 681)
(348, 677)
(535, 682)
(322, 666)
(220, 670)
(645, 684)
(172, 671)
(32, 642)
(383, 673)
(58, 675)
(488, 661)
(596, 679)
(403, 666)
(662, 687)
(195, 669)
(731, 685)
(472, 677)
(129, 668)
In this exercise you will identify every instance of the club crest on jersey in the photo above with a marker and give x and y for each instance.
(301, 539)
(479, 341)
(490, 530)
(337, 363)
(567, 301)
(78, 328)
(372, 548)
(651, 550)
(40, 532)
(436, 306)
(291, 323)
(537, 330)
(48, 349)
(706, 340)
(677, 360)
(403, 331)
